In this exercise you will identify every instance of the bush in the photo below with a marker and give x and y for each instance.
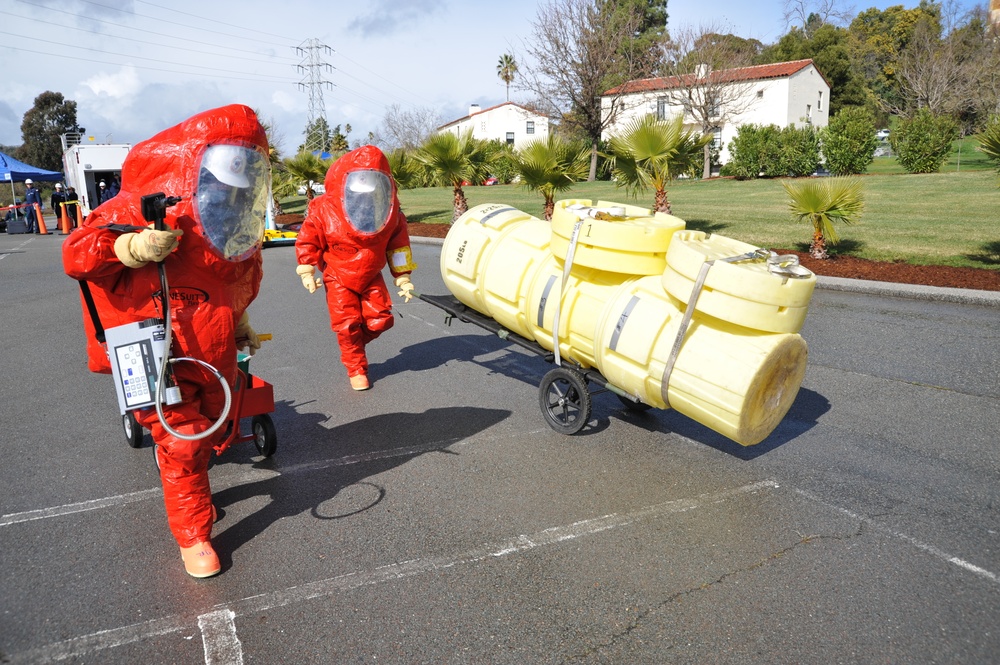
(799, 148)
(765, 150)
(754, 150)
(849, 142)
(922, 142)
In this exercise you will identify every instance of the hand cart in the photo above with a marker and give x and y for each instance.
(253, 398)
(563, 395)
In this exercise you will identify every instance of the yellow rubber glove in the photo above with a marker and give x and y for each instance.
(308, 280)
(137, 249)
(406, 288)
(246, 338)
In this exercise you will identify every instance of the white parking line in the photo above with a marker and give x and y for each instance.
(220, 642)
(218, 634)
(930, 549)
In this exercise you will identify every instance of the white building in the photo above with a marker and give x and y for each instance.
(508, 122)
(783, 94)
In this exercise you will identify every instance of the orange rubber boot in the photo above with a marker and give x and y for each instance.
(200, 560)
(360, 382)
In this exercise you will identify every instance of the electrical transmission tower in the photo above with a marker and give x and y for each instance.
(313, 67)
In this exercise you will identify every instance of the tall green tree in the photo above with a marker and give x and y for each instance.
(506, 69)
(822, 202)
(317, 136)
(650, 153)
(551, 165)
(877, 41)
(452, 160)
(41, 129)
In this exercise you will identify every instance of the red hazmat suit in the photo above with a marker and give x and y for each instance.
(210, 288)
(350, 233)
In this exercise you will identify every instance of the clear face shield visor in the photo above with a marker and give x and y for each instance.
(231, 199)
(367, 200)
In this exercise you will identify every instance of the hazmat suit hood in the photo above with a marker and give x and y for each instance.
(361, 192)
(217, 162)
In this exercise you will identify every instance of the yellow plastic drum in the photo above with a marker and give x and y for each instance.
(614, 237)
(738, 382)
(746, 293)
(583, 301)
(466, 251)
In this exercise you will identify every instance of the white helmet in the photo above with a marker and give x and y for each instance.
(28, 181)
(228, 163)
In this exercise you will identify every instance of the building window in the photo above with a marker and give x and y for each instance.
(809, 113)
(529, 127)
(482, 126)
(510, 138)
(661, 108)
(760, 94)
(819, 102)
(717, 138)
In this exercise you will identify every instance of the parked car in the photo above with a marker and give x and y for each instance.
(882, 135)
(492, 180)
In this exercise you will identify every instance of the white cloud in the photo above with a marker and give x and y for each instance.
(119, 85)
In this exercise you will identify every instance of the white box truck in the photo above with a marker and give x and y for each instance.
(87, 164)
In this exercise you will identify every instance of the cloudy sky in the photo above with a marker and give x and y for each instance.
(136, 67)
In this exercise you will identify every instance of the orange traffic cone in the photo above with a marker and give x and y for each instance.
(64, 219)
(79, 216)
(41, 221)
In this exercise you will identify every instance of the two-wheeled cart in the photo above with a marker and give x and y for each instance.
(563, 393)
(253, 398)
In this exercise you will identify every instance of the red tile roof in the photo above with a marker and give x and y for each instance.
(755, 73)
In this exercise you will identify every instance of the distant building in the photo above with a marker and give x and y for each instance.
(783, 94)
(508, 122)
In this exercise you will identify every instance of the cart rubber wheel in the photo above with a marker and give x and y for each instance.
(265, 437)
(636, 407)
(133, 430)
(565, 400)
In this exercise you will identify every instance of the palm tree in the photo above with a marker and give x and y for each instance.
(309, 168)
(650, 153)
(506, 69)
(989, 140)
(550, 165)
(823, 202)
(454, 160)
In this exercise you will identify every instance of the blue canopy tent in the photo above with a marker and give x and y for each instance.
(11, 170)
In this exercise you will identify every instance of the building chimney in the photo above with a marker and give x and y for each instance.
(702, 70)
(473, 109)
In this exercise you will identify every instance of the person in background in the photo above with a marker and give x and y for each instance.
(31, 197)
(350, 233)
(71, 199)
(55, 202)
(103, 193)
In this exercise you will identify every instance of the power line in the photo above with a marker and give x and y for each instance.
(137, 57)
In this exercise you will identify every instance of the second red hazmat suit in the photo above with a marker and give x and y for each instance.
(217, 161)
(350, 233)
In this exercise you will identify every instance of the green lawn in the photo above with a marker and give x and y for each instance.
(948, 218)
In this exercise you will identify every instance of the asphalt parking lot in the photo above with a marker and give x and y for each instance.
(436, 518)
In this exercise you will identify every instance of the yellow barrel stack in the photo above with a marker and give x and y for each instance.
(619, 278)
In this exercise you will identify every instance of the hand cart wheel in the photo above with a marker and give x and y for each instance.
(565, 400)
(133, 430)
(265, 437)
